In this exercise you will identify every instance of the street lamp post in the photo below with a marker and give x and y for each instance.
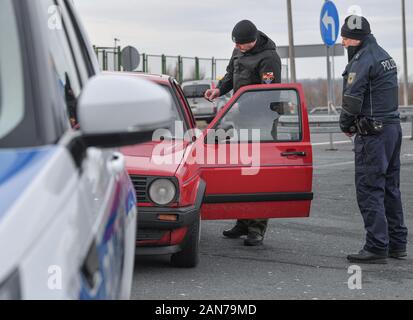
(115, 53)
(405, 69)
(291, 41)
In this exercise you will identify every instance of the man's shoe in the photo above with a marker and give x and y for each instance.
(253, 239)
(401, 255)
(367, 257)
(235, 232)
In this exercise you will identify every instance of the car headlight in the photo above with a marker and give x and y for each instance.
(10, 288)
(162, 191)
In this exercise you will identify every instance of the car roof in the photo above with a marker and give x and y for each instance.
(158, 78)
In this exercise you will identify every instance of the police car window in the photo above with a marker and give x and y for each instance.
(83, 61)
(61, 57)
(11, 71)
(264, 116)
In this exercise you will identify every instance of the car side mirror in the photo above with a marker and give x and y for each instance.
(278, 107)
(116, 111)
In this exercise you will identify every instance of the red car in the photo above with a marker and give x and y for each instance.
(253, 161)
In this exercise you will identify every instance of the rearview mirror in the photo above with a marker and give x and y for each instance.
(278, 107)
(117, 111)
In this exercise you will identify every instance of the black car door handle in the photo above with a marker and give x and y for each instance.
(294, 153)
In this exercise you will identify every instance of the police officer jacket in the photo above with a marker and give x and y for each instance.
(370, 87)
(259, 65)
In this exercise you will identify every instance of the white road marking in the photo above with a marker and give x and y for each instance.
(327, 143)
(334, 164)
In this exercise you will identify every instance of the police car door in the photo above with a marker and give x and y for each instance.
(103, 192)
(260, 164)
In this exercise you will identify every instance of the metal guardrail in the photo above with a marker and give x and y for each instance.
(325, 123)
(318, 124)
(406, 113)
(409, 117)
(329, 124)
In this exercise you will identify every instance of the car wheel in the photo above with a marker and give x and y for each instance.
(189, 256)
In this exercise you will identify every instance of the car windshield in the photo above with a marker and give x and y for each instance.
(195, 91)
(11, 73)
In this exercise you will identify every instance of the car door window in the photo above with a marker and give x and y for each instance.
(264, 116)
(61, 57)
(12, 109)
(81, 53)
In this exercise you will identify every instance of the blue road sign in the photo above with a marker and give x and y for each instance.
(329, 23)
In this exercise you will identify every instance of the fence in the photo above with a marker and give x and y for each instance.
(180, 67)
(109, 58)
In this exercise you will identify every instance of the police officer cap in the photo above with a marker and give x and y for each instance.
(244, 32)
(355, 27)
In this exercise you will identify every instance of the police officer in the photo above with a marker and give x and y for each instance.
(254, 61)
(370, 110)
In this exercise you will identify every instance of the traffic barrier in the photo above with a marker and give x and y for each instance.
(318, 124)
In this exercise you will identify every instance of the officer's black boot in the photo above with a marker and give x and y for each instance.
(367, 257)
(398, 254)
(253, 239)
(236, 232)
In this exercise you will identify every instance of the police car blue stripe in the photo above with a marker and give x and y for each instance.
(18, 167)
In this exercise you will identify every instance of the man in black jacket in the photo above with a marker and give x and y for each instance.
(254, 61)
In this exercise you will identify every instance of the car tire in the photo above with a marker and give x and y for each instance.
(189, 256)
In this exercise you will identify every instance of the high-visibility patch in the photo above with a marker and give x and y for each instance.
(268, 77)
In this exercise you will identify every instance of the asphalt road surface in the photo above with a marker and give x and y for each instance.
(300, 258)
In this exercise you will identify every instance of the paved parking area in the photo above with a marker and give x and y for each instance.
(301, 259)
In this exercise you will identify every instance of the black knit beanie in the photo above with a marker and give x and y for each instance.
(244, 32)
(355, 27)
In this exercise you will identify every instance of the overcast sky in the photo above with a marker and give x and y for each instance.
(203, 27)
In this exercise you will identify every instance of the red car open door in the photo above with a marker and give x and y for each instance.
(257, 156)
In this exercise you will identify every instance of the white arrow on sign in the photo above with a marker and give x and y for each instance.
(327, 20)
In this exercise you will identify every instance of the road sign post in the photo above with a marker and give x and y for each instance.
(329, 27)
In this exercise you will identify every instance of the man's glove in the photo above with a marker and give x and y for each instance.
(348, 123)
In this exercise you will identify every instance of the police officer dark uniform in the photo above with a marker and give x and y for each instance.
(370, 110)
(254, 61)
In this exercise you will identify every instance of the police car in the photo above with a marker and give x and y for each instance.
(67, 205)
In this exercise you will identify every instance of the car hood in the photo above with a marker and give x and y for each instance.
(19, 167)
(155, 158)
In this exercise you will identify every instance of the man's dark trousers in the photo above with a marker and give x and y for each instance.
(377, 168)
